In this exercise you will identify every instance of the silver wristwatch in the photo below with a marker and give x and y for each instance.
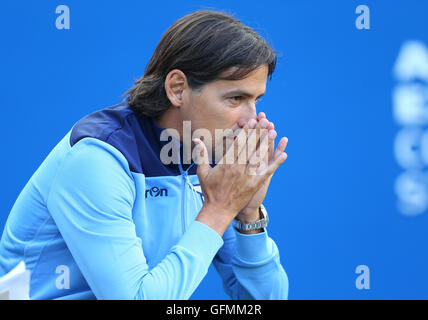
(259, 224)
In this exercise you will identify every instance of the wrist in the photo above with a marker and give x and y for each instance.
(215, 218)
(250, 216)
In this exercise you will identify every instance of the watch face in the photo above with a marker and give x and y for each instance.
(264, 212)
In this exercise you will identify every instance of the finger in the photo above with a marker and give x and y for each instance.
(277, 161)
(251, 145)
(272, 135)
(261, 155)
(252, 142)
(259, 159)
(239, 143)
(281, 146)
(200, 154)
(261, 126)
(242, 121)
(229, 135)
(239, 124)
(267, 173)
(261, 116)
(263, 123)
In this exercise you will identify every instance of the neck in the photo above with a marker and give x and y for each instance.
(171, 119)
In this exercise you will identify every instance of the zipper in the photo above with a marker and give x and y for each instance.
(185, 178)
(183, 203)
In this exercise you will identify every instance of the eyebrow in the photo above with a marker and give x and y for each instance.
(241, 93)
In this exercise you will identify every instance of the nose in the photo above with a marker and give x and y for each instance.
(252, 111)
(247, 114)
(247, 117)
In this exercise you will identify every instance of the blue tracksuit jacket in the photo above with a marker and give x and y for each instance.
(103, 218)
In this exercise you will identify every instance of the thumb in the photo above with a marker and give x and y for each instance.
(200, 154)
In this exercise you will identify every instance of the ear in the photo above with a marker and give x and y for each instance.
(175, 83)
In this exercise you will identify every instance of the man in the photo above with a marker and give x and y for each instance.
(106, 217)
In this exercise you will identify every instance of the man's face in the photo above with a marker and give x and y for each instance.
(220, 104)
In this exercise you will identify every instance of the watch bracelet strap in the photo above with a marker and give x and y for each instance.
(259, 224)
(251, 226)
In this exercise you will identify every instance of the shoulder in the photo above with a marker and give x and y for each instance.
(102, 123)
(117, 126)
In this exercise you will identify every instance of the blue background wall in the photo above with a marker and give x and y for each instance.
(332, 204)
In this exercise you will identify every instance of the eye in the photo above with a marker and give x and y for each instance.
(236, 98)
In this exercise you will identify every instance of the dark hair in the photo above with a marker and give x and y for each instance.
(202, 45)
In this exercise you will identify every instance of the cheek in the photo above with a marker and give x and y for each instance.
(233, 115)
(204, 106)
(206, 112)
(224, 118)
(211, 113)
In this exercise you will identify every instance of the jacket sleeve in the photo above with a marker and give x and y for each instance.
(250, 268)
(91, 201)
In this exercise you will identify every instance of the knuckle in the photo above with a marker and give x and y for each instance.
(236, 172)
